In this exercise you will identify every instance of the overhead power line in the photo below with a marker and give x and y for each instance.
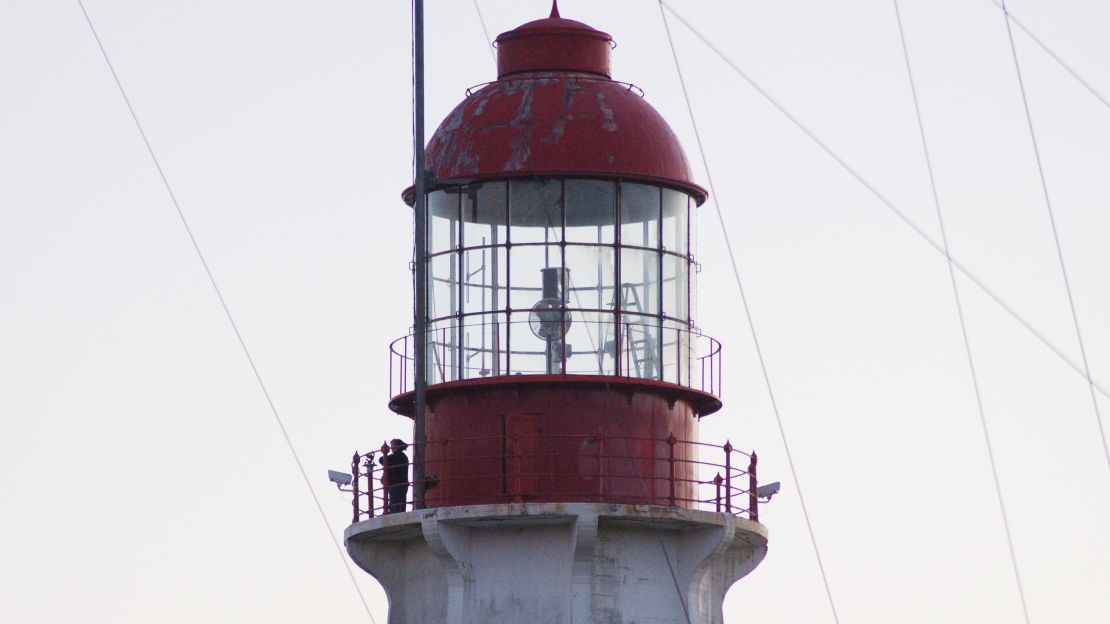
(227, 311)
(485, 32)
(979, 283)
(1056, 236)
(1056, 57)
(960, 312)
(748, 314)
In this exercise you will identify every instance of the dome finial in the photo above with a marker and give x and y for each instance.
(555, 9)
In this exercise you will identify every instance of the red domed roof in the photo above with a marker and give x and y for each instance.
(554, 111)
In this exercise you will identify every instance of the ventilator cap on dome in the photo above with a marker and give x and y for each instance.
(553, 44)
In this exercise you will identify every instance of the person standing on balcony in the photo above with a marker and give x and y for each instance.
(395, 475)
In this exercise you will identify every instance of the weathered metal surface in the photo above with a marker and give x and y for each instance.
(500, 442)
(558, 124)
(555, 112)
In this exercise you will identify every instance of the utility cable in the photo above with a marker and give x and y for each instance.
(227, 311)
(960, 311)
(485, 32)
(1056, 57)
(1056, 236)
(890, 205)
(748, 314)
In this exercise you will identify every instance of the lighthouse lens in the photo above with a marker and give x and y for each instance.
(547, 320)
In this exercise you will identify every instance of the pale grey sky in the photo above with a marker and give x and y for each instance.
(144, 480)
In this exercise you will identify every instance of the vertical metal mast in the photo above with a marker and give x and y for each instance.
(420, 213)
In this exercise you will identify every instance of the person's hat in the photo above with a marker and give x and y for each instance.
(398, 442)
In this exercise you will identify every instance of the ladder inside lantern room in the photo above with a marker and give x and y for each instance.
(480, 351)
(638, 342)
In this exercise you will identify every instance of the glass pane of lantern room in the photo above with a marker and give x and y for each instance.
(591, 211)
(640, 346)
(677, 347)
(484, 283)
(640, 215)
(443, 286)
(639, 291)
(443, 220)
(527, 264)
(591, 273)
(675, 284)
(694, 267)
(484, 215)
(529, 352)
(482, 354)
(536, 211)
(538, 290)
(590, 343)
(675, 228)
(442, 354)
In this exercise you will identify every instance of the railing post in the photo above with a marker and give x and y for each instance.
(514, 467)
(385, 481)
(717, 482)
(720, 373)
(627, 357)
(600, 467)
(670, 444)
(728, 475)
(563, 328)
(678, 356)
(369, 464)
(712, 378)
(753, 485)
(355, 512)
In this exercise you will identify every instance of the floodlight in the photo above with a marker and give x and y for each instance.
(339, 478)
(767, 491)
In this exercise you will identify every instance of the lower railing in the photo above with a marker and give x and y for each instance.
(598, 468)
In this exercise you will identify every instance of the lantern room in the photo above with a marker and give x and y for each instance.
(559, 222)
(559, 275)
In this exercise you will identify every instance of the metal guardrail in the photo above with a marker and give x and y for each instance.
(681, 356)
(732, 489)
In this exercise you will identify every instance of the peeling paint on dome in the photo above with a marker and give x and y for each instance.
(553, 124)
(607, 121)
(522, 123)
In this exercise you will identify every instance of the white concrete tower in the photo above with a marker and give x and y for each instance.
(563, 477)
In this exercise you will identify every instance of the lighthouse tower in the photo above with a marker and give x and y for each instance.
(563, 479)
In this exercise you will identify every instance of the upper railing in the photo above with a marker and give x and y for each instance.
(612, 469)
(633, 350)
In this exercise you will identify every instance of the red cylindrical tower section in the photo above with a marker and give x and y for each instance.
(554, 438)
